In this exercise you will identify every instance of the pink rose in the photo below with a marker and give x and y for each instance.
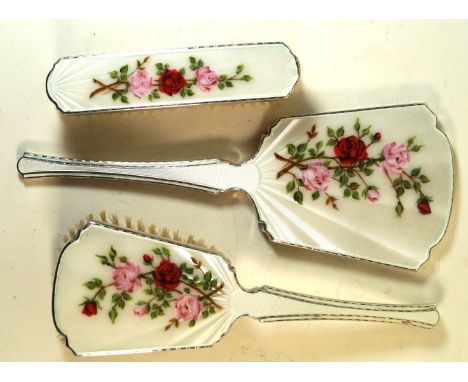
(188, 307)
(316, 177)
(140, 82)
(140, 310)
(397, 157)
(373, 195)
(206, 78)
(126, 277)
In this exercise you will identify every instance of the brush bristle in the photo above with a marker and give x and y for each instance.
(150, 229)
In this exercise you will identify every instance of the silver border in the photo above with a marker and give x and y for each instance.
(131, 108)
(267, 289)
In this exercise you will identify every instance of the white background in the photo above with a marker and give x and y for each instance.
(345, 65)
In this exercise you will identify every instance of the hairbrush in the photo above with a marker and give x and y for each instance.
(173, 77)
(372, 184)
(118, 291)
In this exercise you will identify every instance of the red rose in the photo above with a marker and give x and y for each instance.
(350, 149)
(147, 259)
(424, 207)
(377, 136)
(171, 81)
(167, 275)
(89, 308)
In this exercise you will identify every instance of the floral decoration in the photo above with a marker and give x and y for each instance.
(184, 290)
(314, 164)
(164, 80)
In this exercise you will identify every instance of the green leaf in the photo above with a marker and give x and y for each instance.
(229, 84)
(290, 186)
(350, 172)
(400, 191)
(246, 78)
(193, 67)
(354, 186)
(357, 125)
(115, 96)
(340, 131)
(149, 280)
(192, 323)
(183, 266)
(411, 140)
(223, 77)
(417, 186)
(347, 193)
(166, 66)
(124, 69)
(156, 94)
(121, 304)
(302, 147)
(416, 148)
(192, 60)
(338, 171)
(291, 148)
(154, 314)
(315, 195)
(205, 314)
(368, 171)
(126, 296)
(166, 251)
(114, 74)
(206, 285)
(214, 283)
(424, 179)
(207, 276)
(112, 252)
(221, 85)
(187, 290)
(190, 93)
(365, 131)
(113, 315)
(102, 293)
(189, 271)
(415, 171)
(212, 310)
(327, 163)
(146, 291)
(102, 259)
(331, 142)
(399, 209)
(312, 153)
(200, 63)
(343, 180)
(319, 145)
(330, 132)
(298, 197)
(97, 281)
(397, 181)
(355, 195)
(183, 93)
(124, 99)
(90, 285)
(407, 184)
(299, 156)
(239, 68)
(160, 66)
(157, 251)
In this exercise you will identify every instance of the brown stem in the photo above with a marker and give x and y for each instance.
(214, 291)
(202, 293)
(100, 289)
(105, 87)
(358, 174)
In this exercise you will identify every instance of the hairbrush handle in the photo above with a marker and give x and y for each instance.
(211, 175)
(269, 304)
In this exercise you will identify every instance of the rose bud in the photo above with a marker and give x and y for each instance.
(424, 207)
(377, 136)
(89, 308)
(147, 259)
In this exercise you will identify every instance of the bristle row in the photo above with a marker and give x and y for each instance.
(151, 229)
